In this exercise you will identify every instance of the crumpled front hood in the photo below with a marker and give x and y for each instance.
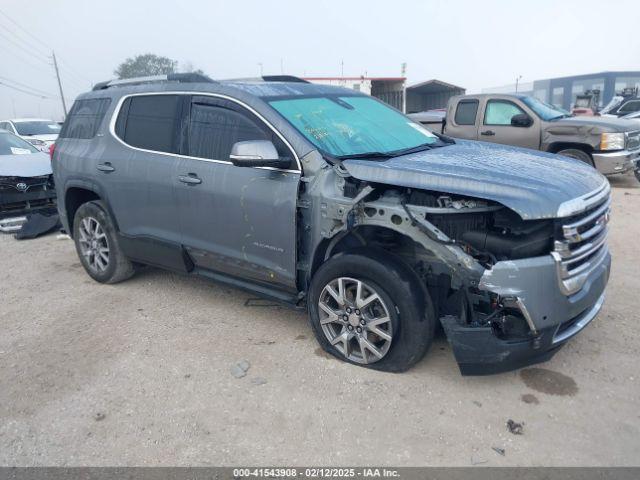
(26, 165)
(533, 184)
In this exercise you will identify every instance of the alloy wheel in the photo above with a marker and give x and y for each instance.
(94, 244)
(355, 320)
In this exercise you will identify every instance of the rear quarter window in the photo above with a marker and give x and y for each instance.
(466, 112)
(85, 118)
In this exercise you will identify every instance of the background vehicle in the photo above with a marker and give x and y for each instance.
(430, 119)
(41, 133)
(325, 196)
(610, 145)
(587, 103)
(622, 104)
(26, 182)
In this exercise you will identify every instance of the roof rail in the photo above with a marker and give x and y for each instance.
(283, 78)
(171, 77)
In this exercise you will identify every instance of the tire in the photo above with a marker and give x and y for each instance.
(636, 172)
(578, 155)
(93, 232)
(409, 307)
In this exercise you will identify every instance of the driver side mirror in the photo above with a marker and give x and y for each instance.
(256, 153)
(521, 120)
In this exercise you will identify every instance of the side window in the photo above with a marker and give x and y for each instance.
(499, 112)
(85, 118)
(150, 122)
(466, 112)
(214, 128)
(629, 107)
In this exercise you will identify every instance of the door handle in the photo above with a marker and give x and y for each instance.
(191, 179)
(105, 167)
(488, 133)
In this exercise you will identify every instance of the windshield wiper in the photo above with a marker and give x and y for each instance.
(367, 155)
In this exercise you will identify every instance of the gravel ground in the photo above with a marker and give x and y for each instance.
(145, 373)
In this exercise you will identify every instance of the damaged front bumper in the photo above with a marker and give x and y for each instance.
(552, 316)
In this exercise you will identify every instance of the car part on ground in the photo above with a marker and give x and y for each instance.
(37, 224)
(505, 247)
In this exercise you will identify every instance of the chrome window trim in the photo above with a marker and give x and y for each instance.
(116, 112)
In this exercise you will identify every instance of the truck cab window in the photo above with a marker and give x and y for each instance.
(466, 112)
(500, 112)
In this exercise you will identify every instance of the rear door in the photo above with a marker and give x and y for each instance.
(462, 119)
(140, 172)
(240, 221)
(496, 125)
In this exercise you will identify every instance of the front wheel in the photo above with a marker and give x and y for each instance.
(637, 173)
(369, 309)
(97, 244)
(578, 155)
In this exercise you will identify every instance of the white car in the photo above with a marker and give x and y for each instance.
(39, 132)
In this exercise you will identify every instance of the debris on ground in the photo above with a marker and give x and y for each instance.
(63, 236)
(530, 399)
(38, 224)
(475, 461)
(240, 369)
(515, 427)
(258, 381)
(260, 302)
(498, 450)
(477, 403)
(98, 417)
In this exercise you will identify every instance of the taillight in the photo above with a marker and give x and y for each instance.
(52, 148)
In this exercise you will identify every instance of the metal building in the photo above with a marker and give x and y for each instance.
(430, 95)
(388, 89)
(562, 91)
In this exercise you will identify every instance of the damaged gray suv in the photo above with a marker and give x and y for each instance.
(323, 197)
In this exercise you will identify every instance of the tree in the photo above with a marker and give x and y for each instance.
(145, 65)
(187, 67)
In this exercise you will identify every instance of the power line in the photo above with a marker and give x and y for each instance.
(29, 44)
(24, 30)
(21, 58)
(24, 91)
(36, 90)
(40, 52)
(31, 53)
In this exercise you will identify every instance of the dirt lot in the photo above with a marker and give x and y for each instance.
(140, 374)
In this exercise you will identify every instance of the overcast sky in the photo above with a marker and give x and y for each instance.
(474, 44)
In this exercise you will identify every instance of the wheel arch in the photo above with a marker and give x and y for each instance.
(556, 147)
(77, 194)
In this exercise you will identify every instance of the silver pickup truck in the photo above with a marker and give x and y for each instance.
(609, 144)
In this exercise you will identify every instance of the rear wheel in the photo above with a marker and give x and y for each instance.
(97, 244)
(577, 154)
(369, 309)
(637, 173)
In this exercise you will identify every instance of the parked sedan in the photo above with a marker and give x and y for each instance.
(39, 132)
(26, 182)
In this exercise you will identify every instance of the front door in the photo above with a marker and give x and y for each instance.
(496, 125)
(240, 221)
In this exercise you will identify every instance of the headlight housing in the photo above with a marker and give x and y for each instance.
(612, 141)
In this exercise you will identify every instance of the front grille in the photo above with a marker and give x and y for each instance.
(580, 244)
(633, 140)
(22, 194)
(25, 184)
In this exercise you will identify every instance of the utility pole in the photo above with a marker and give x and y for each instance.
(518, 80)
(55, 65)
